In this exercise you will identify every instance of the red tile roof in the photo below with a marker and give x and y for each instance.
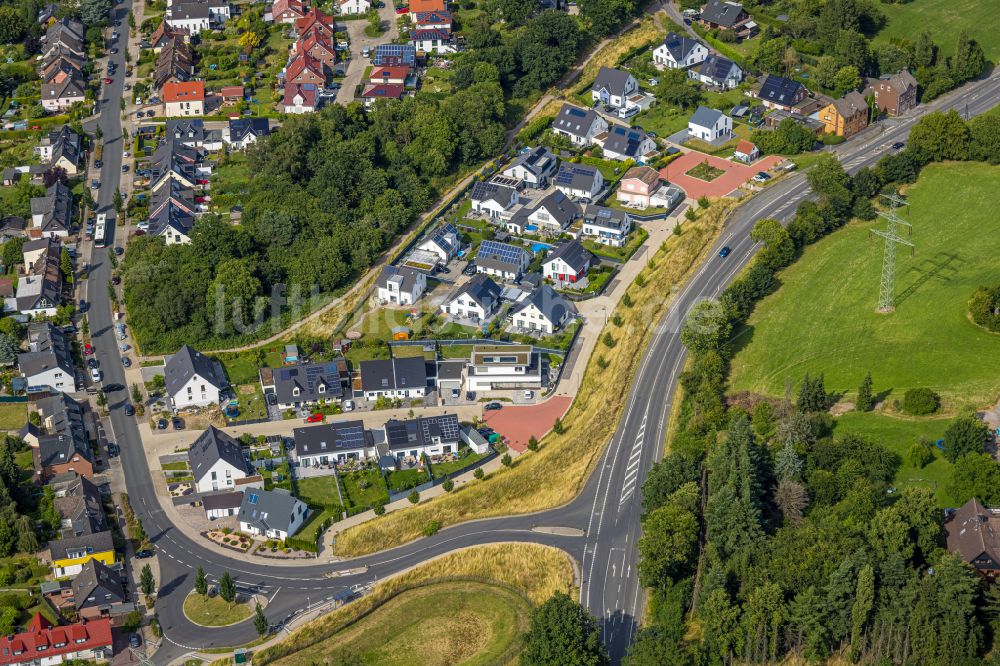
(745, 147)
(41, 638)
(231, 91)
(184, 91)
(281, 6)
(390, 72)
(417, 6)
(314, 38)
(383, 91)
(302, 62)
(315, 17)
(306, 90)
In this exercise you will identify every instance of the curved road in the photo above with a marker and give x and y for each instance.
(608, 508)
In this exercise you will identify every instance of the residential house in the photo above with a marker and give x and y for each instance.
(580, 126)
(222, 505)
(553, 214)
(426, 435)
(443, 243)
(394, 378)
(401, 285)
(77, 499)
(232, 95)
(48, 363)
(543, 312)
(533, 166)
(973, 533)
(62, 91)
(492, 199)
(729, 17)
(273, 514)
(503, 367)
(608, 226)
(39, 292)
(305, 69)
(288, 11)
(390, 74)
(300, 98)
(845, 116)
(354, 6)
(193, 379)
(69, 555)
(502, 260)
(99, 592)
(197, 15)
(580, 181)
(320, 47)
(300, 384)
(332, 443)
(172, 210)
(421, 6)
(165, 34)
(315, 20)
(217, 461)
(568, 262)
(174, 64)
(450, 375)
(244, 132)
(433, 40)
(476, 300)
(60, 445)
(710, 125)
(627, 143)
(43, 643)
(896, 94)
(185, 98)
(641, 187)
(433, 20)
(777, 92)
(613, 87)
(376, 91)
(52, 215)
(395, 54)
(718, 72)
(679, 52)
(474, 440)
(61, 149)
(746, 152)
(62, 63)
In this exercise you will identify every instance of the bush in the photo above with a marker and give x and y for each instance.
(479, 473)
(507, 460)
(921, 401)
(414, 497)
(532, 443)
(448, 486)
(432, 528)
(378, 508)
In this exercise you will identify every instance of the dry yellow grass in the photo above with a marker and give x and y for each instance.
(556, 472)
(648, 30)
(535, 571)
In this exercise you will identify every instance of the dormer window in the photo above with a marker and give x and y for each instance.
(296, 391)
(321, 388)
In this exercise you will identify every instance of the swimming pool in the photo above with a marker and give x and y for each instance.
(538, 247)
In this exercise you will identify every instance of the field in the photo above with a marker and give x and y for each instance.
(945, 19)
(213, 611)
(823, 318)
(477, 597)
(449, 623)
(13, 415)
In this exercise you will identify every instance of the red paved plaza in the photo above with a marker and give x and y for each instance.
(519, 423)
(736, 174)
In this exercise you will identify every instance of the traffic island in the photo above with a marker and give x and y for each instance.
(214, 611)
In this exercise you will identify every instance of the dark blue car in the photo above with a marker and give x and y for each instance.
(724, 252)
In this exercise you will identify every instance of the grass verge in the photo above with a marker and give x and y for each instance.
(555, 474)
(214, 611)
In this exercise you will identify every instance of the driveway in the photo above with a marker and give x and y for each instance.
(736, 174)
(355, 73)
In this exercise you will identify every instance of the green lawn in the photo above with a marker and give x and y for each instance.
(449, 623)
(945, 19)
(466, 457)
(13, 415)
(175, 466)
(898, 435)
(251, 401)
(665, 119)
(213, 611)
(405, 479)
(364, 488)
(319, 491)
(823, 318)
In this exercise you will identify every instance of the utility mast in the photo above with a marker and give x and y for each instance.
(886, 290)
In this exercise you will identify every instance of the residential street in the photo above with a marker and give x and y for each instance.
(359, 40)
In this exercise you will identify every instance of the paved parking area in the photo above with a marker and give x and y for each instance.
(519, 423)
(736, 174)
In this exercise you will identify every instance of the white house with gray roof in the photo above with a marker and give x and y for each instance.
(569, 262)
(628, 143)
(217, 461)
(613, 87)
(578, 125)
(533, 167)
(193, 379)
(399, 285)
(427, 435)
(580, 181)
(443, 243)
(543, 312)
(554, 213)
(476, 300)
(609, 226)
(718, 72)
(679, 52)
(332, 443)
(502, 260)
(710, 125)
(48, 363)
(492, 199)
(273, 514)
(394, 378)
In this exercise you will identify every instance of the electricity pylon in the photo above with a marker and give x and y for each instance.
(886, 289)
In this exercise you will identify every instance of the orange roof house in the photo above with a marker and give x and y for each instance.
(417, 6)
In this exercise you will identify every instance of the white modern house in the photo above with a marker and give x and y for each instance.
(477, 300)
(710, 125)
(331, 443)
(503, 367)
(354, 6)
(609, 226)
(580, 126)
(443, 243)
(427, 435)
(492, 199)
(679, 52)
(718, 72)
(217, 461)
(193, 379)
(273, 514)
(534, 167)
(543, 312)
(613, 87)
(394, 378)
(401, 285)
(580, 181)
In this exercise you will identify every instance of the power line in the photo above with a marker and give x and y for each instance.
(887, 283)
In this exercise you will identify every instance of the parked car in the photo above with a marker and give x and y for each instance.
(178, 423)
(107, 80)
(124, 168)
(98, 164)
(160, 425)
(113, 51)
(119, 251)
(95, 184)
(470, 269)
(88, 349)
(129, 410)
(348, 405)
(492, 406)
(314, 418)
(126, 361)
(124, 347)
(144, 553)
(116, 279)
(95, 374)
(899, 145)
(112, 450)
(529, 395)
(93, 363)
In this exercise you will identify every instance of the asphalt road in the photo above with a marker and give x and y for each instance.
(608, 508)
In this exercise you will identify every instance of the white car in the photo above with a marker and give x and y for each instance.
(529, 395)
(348, 405)
(95, 374)
(628, 112)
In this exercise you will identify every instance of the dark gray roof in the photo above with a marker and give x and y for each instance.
(240, 128)
(314, 381)
(96, 585)
(779, 90)
(501, 256)
(187, 363)
(189, 10)
(574, 120)
(611, 79)
(610, 218)
(625, 141)
(98, 542)
(490, 191)
(722, 13)
(70, 86)
(65, 143)
(706, 117)
(79, 502)
(450, 369)
(48, 349)
(561, 208)
(189, 132)
(213, 445)
(270, 509)
(408, 275)
(421, 431)
(218, 501)
(394, 374)
(552, 306)
(573, 253)
(679, 46)
(538, 160)
(443, 235)
(56, 208)
(716, 68)
(577, 176)
(334, 437)
(482, 289)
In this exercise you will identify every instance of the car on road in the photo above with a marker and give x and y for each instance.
(144, 553)
(114, 52)
(724, 252)
(161, 424)
(492, 406)
(109, 388)
(129, 410)
(95, 374)
(107, 80)
(126, 361)
(314, 418)
(899, 145)
(177, 422)
(88, 349)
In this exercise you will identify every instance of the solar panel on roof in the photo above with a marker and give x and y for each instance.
(500, 251)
